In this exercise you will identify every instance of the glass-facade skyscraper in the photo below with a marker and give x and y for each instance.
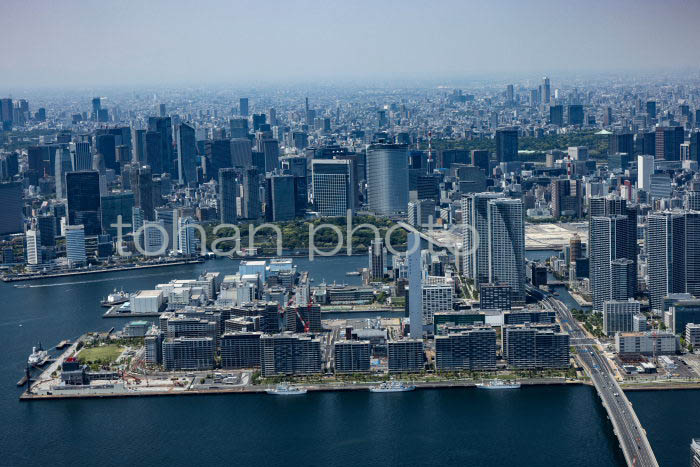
(387, 178)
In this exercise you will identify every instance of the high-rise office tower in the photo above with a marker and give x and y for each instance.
(668, 142)
(546, 91)
(75, 245)
(415, 285)
(566, 198)
(575, 114)
(645, 169)
(621, 142)
(241, 152)
(6, 113)
(163, 126)
(105, 145)
(270, 147)
(46, 224)
(480, 158)
(651, 109)
(280, 198)
(186, 154)
(62, 165)
(333, 187)
(161, 110)
(186, 236)
(556, 115)
(153, 151)
(387, 174)
(81, 155)
(169, 217)
(506, 145)
(32, 240)
(377, 260)
(11, 213)
(218, 154)
(243, 107)
(96, 108)
(475, 236)
(238, 127)
(506, 244)
(510, 95)
(83, 196)
(114, 205)
(142, 186)
(250, 203)
(228, 191)
(138, 142)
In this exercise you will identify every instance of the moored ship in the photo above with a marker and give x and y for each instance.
(286, 390)
(38, 357)
(498, 384)
(115, 298)
(392, 386)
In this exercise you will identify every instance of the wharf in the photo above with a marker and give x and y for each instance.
(31, 277)
(121, 391)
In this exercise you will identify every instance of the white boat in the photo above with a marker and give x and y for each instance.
(115, 298)
(392, 386)
(352, 273)
(38, 357)
(498, 384)
(286, 390)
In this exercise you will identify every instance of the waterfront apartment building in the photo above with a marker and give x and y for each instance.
(506, 245)
(532, 317)
(405, 356)
(472, 349)
(352, 356)
(303, 317)
(495, 296)
(646, 343)
(525, 347)
(475, 236)
(618, 316)
(153, 343)
(188, 326)
(437, 298)
(289, 354)
(188, 353)
(240, 350)
(608, 242)
(673, 255)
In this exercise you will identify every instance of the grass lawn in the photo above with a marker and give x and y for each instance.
(103, 355)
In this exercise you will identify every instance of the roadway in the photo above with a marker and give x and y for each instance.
(628, 428)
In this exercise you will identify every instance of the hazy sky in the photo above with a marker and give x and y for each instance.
(58, 43)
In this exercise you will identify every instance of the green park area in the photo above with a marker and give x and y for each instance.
(100, 355)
